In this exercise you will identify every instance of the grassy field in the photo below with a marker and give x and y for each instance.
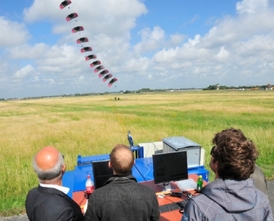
(93, 125)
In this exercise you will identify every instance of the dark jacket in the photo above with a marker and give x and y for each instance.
(123, 199)
(259, 179)
(49, 204)
(229, 200)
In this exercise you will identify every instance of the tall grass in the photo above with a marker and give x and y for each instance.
(93, 125)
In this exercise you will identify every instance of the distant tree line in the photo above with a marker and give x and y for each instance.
(147, 90)
(224, 87)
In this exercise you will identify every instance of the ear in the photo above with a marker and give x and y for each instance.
(216, 165)
(109, 164)
(63, 168)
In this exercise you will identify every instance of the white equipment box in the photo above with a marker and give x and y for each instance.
(173, 144)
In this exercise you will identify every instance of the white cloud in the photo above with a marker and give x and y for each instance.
(24, 72)
(136, 65)
(63, 56)
(251, 6)
(12, 33)
(151, 39)
(25, 51)
(51, 81)
(42, 10)
(81, 78)
(223, 54)
(116, 17)
(176, 39)
(155, 39)
(195, 41)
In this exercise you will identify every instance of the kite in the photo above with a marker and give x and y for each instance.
(71, 16)
(94, 63)
(98, 67)
(78, 28)
(107, 77)
(65, 4)
(102, 73)
(91, 56)
(85, 49)
(81, 40)
(113, 80)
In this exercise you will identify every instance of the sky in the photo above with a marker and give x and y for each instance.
(143, 43)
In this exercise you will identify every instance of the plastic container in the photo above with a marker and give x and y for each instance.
(199, 183)
(89, 185)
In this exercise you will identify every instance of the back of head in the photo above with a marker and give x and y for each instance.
(48, 164)
(121, 159)
(236, 154)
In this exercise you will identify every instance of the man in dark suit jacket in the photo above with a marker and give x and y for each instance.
(49, 201)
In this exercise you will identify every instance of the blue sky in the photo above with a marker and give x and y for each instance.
(170, 44)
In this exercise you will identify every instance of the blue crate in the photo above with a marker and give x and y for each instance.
(199, 170)
(82, 161)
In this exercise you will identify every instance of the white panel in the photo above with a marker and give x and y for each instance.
(151, 148)
(202, 159)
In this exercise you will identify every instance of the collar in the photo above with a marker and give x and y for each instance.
(63, 189)
(120, 178)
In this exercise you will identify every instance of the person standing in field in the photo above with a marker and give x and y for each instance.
(49, 201)
(232, 195)
(122, 198)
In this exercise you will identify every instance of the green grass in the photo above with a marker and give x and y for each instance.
(93, 125)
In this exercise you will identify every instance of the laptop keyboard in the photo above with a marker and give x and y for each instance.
(172, 206)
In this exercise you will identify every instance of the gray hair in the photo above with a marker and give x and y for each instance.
(51, 173)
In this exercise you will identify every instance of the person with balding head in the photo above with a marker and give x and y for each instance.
(122, 198)
(49, 201)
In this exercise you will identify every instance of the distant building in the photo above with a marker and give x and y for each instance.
(269, 87)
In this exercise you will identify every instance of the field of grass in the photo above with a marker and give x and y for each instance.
(93, 125)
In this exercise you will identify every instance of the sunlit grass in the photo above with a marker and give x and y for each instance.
(93, 125)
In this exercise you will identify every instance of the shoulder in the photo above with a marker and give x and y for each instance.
(33, 191)
(32, 195)
(262, 197)
(199, 201)
(102, 193)
(55, 206)
(143, 188)
(259, 179)
(194, 208)
(146, 188)
(51, 196)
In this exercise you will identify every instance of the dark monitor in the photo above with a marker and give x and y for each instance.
(101, 173)
(169, 167)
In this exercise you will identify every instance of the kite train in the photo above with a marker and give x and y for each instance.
(96, 64)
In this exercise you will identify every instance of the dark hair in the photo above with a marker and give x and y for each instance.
(122, 159)
(236, 154)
